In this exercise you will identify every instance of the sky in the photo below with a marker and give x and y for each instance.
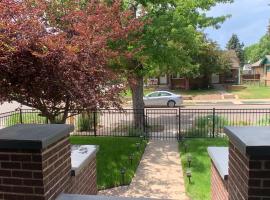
(249, 21)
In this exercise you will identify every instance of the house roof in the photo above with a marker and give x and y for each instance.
(235, 62)
(265, 60)
(257, 64)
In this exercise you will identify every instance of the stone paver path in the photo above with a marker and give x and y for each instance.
(159, 174)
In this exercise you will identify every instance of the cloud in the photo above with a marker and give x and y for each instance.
(249, 21)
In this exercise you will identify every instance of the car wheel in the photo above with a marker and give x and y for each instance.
(171, 104)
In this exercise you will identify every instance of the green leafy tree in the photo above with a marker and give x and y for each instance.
(257, 51)
(268, 28)
(211, 59)
(169, 42)
(235, 44)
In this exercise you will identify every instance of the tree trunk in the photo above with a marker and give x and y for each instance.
(136, 86)
(170, 81)
(52, 119)
(57, 119)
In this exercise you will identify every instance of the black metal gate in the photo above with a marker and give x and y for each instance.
(162, 123)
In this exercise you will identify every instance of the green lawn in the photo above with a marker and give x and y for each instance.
(112, 156)
(253, 92)
(199, 188)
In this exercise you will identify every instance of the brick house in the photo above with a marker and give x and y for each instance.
(262, 67)
(175, 81)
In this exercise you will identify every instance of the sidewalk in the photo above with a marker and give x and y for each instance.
(226, 101)
(159, 174)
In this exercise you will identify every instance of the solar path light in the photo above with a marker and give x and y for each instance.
(138, 146)
(185, 147)
(122, 172)
(131, 157)
(189, 159)
(189, 175)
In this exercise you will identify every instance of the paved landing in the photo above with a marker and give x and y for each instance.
(158, 176)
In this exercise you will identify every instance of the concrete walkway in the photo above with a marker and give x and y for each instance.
(159, 174)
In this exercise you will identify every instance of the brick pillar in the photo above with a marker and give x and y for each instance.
(218, 185)
(35, 162)
(219, 172)
(249, 163)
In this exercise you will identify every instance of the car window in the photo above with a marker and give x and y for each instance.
(165, 94)
(155, 94)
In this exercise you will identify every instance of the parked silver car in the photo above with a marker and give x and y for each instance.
(162, 98)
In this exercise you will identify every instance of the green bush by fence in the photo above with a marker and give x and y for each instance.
(86, 121)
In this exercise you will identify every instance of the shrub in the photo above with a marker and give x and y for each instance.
(86, 121)
(207, 122)
(203, 126)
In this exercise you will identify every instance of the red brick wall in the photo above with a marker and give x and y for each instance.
(218, 185)
(56, 171)
(35, 174)
(43, 174)
(249, 177)
(85, 182)
(17, 176)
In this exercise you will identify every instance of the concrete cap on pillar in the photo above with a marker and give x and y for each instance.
(32, 136)
(250, 140)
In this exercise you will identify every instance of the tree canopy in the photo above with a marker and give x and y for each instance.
(257, 51)
(173, 37)
(170, 41)
(235, 44)
(212, 59)
(55, 57)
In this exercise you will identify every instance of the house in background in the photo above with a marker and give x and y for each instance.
(262, 68)
(175, 81)
(247, 69)
(169, 82)
(231, 76)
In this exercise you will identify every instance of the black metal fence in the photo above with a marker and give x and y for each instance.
(164, 123)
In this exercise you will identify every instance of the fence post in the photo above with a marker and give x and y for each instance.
(20, 113)
(179, 124)
(95, 123)
(214, 121)
(47, 120)
(144, 124)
